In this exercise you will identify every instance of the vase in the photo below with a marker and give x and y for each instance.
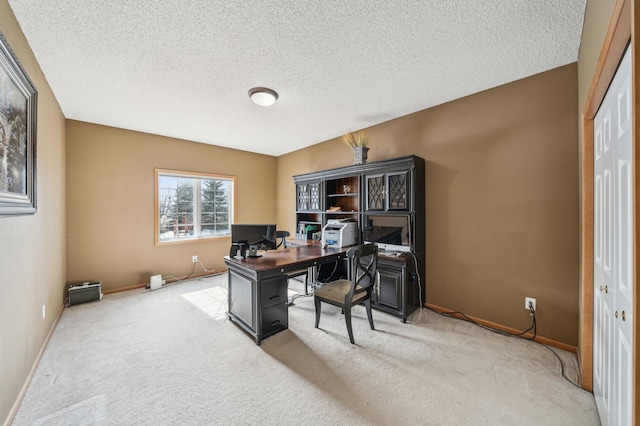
(360, 154)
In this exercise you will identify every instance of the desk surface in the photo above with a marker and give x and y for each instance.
(291, 256)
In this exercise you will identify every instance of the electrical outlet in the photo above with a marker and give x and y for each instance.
(526, 303)
(195, 259)
(44, 311)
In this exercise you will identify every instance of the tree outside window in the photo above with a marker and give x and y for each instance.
(192, 205)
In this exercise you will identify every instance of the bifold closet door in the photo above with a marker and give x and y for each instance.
(613, 250)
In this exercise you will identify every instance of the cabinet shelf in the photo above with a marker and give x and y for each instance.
(341, 211)
(350, 194)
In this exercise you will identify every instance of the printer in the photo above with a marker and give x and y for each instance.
(340, 233)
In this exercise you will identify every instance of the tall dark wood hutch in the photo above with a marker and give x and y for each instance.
(364, 193)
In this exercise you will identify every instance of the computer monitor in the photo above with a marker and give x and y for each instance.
(390, 232)
(262, 236)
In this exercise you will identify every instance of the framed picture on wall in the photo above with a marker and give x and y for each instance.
(18, 108)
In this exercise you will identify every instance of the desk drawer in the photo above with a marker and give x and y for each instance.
(274, 319)
(273, 292)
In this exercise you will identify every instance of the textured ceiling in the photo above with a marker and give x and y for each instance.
(182, 68)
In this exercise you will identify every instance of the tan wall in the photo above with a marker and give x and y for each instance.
(110, 202)
(502, 198)
(32, 248)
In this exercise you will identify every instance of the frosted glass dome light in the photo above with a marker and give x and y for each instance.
(263, 96)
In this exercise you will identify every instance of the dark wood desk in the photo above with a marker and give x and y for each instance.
(257, 293)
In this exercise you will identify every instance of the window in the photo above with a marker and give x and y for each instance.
(192, 206)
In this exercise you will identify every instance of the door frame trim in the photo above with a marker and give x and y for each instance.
(619, 33)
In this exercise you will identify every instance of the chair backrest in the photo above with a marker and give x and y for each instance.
(283, 238)
(364, 265)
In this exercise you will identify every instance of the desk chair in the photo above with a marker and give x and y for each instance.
(363, 263)
(283, 238)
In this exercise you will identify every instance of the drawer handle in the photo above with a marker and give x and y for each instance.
(277, 296)
(275, 322)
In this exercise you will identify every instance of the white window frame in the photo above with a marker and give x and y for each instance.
(196, 224)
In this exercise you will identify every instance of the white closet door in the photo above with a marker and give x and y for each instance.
(613, 251)
(623, 313)
(603, 272)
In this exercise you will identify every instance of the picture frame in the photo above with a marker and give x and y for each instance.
(18, 110)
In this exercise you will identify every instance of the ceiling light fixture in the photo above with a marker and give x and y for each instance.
(263, 96)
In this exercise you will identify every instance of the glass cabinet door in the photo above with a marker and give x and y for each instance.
(376, 192)
(314, 196)
(308, 197)
(388, 191)
(302, 197)
(398, 188)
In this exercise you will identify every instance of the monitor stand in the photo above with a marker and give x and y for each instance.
(253, 251)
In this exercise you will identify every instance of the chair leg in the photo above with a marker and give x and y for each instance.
(318, 308)
(367, 304)
(347, 318)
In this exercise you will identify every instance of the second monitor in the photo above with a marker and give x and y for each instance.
(252, 237)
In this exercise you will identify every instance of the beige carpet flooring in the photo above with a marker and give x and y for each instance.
(171, 357)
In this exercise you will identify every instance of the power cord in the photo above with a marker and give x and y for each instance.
(419, 282)
(225, 291)
(458, 315)
(310, 287)
(297, 296)
(328, 279)
(181, 279)
(204, 268)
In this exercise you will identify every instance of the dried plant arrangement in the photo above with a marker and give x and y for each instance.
(355, 140)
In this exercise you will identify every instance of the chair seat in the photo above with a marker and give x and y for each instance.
(337, 290)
